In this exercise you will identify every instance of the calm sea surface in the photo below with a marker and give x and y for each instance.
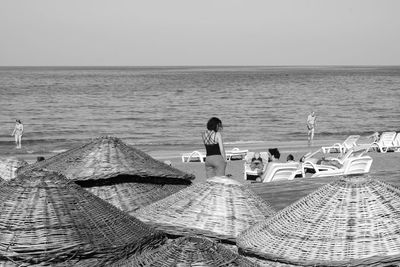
(170, 106)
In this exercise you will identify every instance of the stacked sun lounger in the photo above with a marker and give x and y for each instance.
(387, 142)
(200, 156)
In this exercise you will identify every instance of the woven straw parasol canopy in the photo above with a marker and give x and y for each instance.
(9, 167)
(109, 157)
(188, 251)
(220, 207)
(46, 218)
(354, 221)
(119, 174)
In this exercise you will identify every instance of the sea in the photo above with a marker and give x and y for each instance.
(168, 107)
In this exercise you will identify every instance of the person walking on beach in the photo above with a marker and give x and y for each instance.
(215, 152)
(311, 120)
(18, 132)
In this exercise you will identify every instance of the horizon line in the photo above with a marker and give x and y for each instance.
(183, 66)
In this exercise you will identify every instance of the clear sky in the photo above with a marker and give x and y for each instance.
(201, 32)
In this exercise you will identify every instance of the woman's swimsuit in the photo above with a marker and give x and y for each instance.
(212, 147)
(18, 129)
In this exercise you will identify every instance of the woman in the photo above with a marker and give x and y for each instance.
(215, 152)
(18, 132)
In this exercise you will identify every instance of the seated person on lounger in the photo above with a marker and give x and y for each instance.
(330, 162)
(274, 154)
(374, 137)
(257, 163)
(322, 161)
(290, 158)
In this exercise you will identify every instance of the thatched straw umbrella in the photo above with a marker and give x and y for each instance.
(220, 207)
(9, 167)
(44, 218)
(120, 174)
(354, 221)
(188, 251)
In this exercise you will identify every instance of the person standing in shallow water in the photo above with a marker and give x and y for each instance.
(215, 152)
(18, 132)
(311, 120)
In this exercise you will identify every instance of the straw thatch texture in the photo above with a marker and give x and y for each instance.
(188, 251)
(9, 167)
(220, 207)
(130, 197)
(109, 157)
(354, 221)
(119, 174)
(46, 218)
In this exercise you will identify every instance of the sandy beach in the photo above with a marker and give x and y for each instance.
(280, 194)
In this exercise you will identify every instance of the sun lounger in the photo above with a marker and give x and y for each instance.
(236, 153)
(342, 148)
(198, 156)
(339, 164)
(280, 171)
(352, 165)
(248, 172)
(357, 151)
(195, 156)
(396, 143)
(385, 142)
(310, 166)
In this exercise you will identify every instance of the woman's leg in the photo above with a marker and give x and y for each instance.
(215, 166)
(211, 166)
(221, 167)
(19, 141)
(16, 140)
(210, 171)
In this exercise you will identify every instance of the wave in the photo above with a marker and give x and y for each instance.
(239, 142)
(333, 134)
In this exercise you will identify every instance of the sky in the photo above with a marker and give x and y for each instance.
(202, 32)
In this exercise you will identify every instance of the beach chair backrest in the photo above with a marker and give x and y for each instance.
(346, 155)
(396, 142)
(280, 171)
(196, 155)
(357, 165)
(387, 138)
(351, 141)
(353, 152)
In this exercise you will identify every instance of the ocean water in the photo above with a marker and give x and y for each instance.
(170, 106)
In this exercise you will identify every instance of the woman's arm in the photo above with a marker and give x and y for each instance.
(22, 129)
(221, 144)
(15, 128)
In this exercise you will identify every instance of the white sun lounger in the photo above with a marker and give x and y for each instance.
(385, 142)
(236, 153)
(342, 148)
(199, 156)
(396, 143)
(280, 171)
(352, 152)
(195, 156)
(352, 165)
(321, 170)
